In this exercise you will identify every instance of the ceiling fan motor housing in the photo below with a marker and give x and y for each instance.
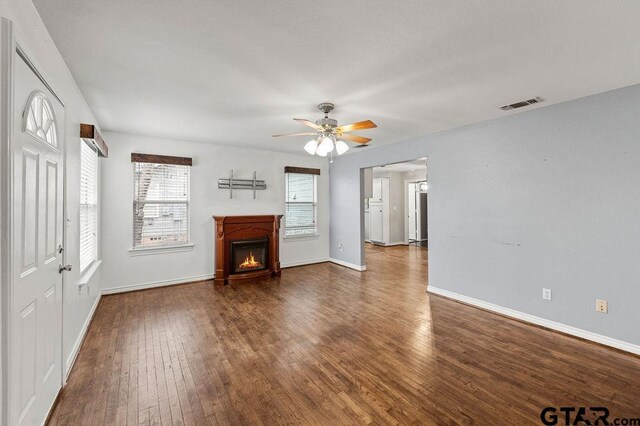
(327, 123)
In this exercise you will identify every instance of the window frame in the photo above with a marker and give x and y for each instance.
(165, 161)
(314, 173)
(95, 260)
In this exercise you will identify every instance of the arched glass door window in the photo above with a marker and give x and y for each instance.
(39, 120)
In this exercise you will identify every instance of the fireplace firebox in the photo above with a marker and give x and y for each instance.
(249, 255)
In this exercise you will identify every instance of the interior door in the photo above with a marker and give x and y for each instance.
(417, 213)
(36, 292)
(411, 211)
(424, 229)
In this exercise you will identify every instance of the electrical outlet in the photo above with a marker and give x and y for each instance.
(340, 246)
(602, 306)
(546, 293)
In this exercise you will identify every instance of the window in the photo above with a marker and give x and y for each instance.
(301, 199)
(38, 118)
(88, 206)
(161, 201)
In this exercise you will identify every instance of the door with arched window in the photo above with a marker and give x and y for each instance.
(35, 336)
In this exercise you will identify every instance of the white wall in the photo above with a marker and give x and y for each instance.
(32, 35)
(544, 198)
(121, 270)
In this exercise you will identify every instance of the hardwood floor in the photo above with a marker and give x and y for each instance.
(328, 345)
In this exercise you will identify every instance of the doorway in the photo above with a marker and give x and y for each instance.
(417, 219)
(395, 208)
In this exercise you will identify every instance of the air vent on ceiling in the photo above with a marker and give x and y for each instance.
(521, 104)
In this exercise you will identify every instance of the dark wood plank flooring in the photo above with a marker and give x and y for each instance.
(327, 345)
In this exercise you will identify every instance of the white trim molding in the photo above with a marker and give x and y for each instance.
(303, 262)
(553, 325)
(397, 243)
(71, 360)
(7, 49)
(88, 274)
(154, 284)
(146, 251)
(348, 264)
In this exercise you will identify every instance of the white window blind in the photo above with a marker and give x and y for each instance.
(301, 204)
(88, 206)
(160, 205)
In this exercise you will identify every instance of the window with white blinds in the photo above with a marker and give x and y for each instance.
(88, 206)
(301, 204)
(160, 205)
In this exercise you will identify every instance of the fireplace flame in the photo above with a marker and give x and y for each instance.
(250, 262)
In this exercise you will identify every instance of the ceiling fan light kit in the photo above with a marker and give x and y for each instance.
(341, 147)
(311, 147)
(329, 136)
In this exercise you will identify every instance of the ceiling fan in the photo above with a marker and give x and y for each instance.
(327, 134)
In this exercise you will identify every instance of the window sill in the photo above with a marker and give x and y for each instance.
(293, 238)
(146, 251)
(86, 275)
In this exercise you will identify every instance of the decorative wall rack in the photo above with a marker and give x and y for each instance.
(251, 184)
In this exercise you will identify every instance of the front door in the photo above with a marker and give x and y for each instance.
(36, 288)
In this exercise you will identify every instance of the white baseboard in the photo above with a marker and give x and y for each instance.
(76, 346)
(153, 284)
(348, 264)
(553, 325)
(303, 262)
(381, 244)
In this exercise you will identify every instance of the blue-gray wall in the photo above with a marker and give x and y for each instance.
(544, 198)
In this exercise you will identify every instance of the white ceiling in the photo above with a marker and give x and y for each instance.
(236, 72)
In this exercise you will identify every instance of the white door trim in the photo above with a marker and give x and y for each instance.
(7, 56)
(29, 58)
(406, 205)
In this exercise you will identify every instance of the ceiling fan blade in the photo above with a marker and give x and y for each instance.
(308, 123)
(360, 125)
(295, 134)
(353, 138)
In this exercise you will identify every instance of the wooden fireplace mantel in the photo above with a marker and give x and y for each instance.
(234, 228)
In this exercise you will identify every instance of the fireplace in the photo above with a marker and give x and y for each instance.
(249, 255)
(247, 248)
